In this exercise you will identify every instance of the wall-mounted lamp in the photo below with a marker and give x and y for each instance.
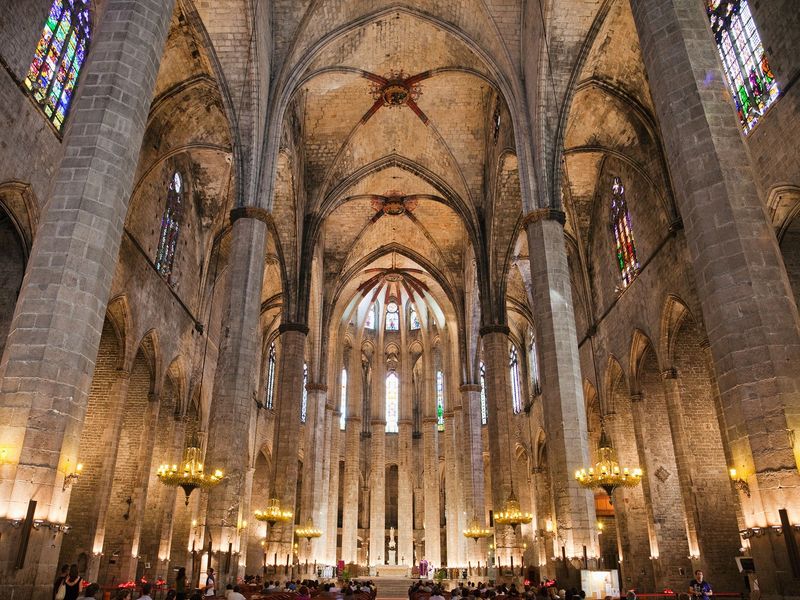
(739, 483)
(600, 527)
(3, 456)
(71, 478)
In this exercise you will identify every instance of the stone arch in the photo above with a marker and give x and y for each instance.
(783, 206)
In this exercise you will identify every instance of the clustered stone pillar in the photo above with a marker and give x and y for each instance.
(332, 529)
(313, 488)
(430, 459)
(49, 357)
(235, 383)
(377, 459)
(405, 494)
(747, 304)
(351, 484)
(453, 496)
(287, 433)
(564, 410)
(472, 467)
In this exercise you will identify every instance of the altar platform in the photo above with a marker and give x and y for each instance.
(392, 571)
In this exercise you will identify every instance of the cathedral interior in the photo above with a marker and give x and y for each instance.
(503, 286)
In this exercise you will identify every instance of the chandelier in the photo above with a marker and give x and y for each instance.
(475, 531)
(512, 513)
(308, 531)
(274, 513)
(190, 473)
(606, 473)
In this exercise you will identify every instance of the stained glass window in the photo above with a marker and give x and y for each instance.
(625, 248)
(484, 407)
(439, 401)
(270, 383)
(343, 403)
(413, 319)
(750, 78)
(516, 392)
(304, 402)
(533, 365)
(392, 317)
(370, 322)
(392, 402)
(170, 228)
(59, 57)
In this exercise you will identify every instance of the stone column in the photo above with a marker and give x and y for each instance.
(333, 486)
(498, 395)
(313, 487)
(747, 304)
(405, 493)
(661, 490)
(377, 496)
(352, 451)
(49, 357)
(236, 381)
(472, 472)
(430, 458)
(323, 512)
(629, 507)
(564, 409)
(287, 431)
(452, 490)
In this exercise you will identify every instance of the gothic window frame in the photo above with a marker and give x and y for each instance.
(304, 401)
(343, 399)
(484, 403)
(170, 227)
(516, 389)
(749, 77)
(54, 71)
(439, 400)
(369, 320)
(269, 385)
(392, 402)
(413, 319)
(535, 375)
(622, 231)
(392, 318)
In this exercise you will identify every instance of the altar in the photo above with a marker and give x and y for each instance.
(392, 570)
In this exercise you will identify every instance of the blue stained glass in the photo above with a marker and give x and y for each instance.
(304, 401)
(58, 58)
(484, 405)
(439, 401)
(625, 247)
(170, 228)
(516, 391)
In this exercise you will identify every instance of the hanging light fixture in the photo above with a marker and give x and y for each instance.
(308, 531)
(274, 513)
(190, 474)
(512, 513)
(476, 531)
(606, 473)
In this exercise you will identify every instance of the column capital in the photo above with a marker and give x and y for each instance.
(494, 328)
(469, 387)
(671, 373)
(544, 214)
(301, 327)
(251, 212)
(377, 422)
(429, 420)
(316, 387)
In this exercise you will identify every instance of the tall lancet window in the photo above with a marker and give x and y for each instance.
(392, 317)
(392, 402)
(304, 401)
(343, 402)
(533, 365)
(516, 392)
(269, 400)
(484, 406)
(170, 227)
(750, 79)
(369, 323)
(413, 319)
(439, 401)
(59, 57)
(625, 247)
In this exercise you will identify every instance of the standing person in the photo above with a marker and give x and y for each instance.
(180, 584)
(59, 589)
(91, 592)
(211, 583)
(699, 588)
(146, 588)
(124, 594)
(72, 583)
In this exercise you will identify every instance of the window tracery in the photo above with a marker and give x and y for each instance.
(304, 402)
(413, 319)
(484, 407)
(440, 400)
(170, 228)
(392, 317)
(516, 392)
(58, 58)
(392, 402)
(625, 247)
(343, 402)
(269, 400)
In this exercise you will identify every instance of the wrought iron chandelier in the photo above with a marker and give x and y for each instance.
(476, 531)
(308, 531)
(190, 474)
(606, 473)
(274, 513)
(512, 514)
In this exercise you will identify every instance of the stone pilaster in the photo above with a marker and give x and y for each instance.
(377, 496)
(313, 485)
(453, 497)
(333, 487)
(430, 458)
(564, 410)
(235, 384)
(352, 451)
(472, 467)
(49, 357)
(747, 304)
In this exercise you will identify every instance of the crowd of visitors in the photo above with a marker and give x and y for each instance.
(463, 591)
